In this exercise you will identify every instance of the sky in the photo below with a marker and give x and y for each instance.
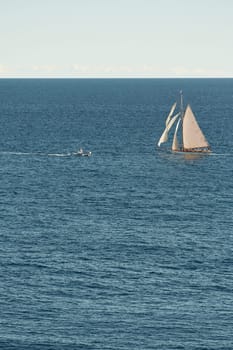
(116, 38)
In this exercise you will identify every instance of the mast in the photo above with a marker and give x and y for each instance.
(181, 105)
(182, 117)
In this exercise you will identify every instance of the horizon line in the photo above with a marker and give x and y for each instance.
(114, 77)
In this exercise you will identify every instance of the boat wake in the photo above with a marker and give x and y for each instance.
(221, 154)
(17, 153)
(59, 154)
(168, 152)
(37, 154)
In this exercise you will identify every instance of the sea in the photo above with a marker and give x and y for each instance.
(129, 249)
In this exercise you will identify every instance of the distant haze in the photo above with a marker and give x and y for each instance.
(116, 38)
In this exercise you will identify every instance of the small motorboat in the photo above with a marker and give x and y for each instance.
(82, 153)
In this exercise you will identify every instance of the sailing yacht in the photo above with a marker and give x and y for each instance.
(191, 137)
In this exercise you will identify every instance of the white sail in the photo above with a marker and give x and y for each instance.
(164, 136)
(170, 114)
(193, 137)
(175, 143)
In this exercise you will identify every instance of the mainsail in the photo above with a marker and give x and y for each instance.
(164, 136)
(193, 137)
(175, 143)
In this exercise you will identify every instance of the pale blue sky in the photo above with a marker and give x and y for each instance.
(116, 38)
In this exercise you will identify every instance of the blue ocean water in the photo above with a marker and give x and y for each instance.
(131, 248)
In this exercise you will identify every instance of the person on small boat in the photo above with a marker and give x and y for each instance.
(81, 152)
